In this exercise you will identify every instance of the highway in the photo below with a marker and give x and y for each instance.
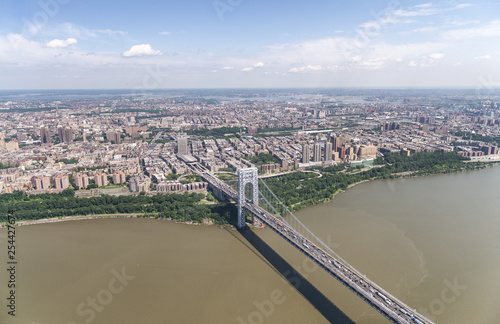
(389, 306)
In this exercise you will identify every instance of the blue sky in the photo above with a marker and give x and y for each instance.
(76, 44)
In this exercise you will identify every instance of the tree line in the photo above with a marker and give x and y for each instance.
(182, 207)
(299, 189)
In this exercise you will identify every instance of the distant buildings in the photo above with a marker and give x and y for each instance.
(65, 135)
(40, 182)
(114, 137)
(390, 126)
(317, 152)
(61, 181)
(45, 135)
(182, 145)
(328, 151)
(169, 186)
(338, 141)
(426, 119)
(305, 153)
(12, 145)
(81, 181)
(119, 177)
(140, 183)
(101, 179)
(252, 130)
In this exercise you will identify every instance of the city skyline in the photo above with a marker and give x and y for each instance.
(64, 44)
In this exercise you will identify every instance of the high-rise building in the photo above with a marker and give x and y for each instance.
(341, 151)
(101, 179)
(81, 181)
(45, 135)
(119, 177)
(40, 182)
(61, 181)
(338, 141)
(68, 135)
(317, 152)
(328, 151)
(182, 147)
(114, 136)
(65, 135)
(305, 153)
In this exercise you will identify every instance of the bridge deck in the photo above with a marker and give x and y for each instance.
(379, 299)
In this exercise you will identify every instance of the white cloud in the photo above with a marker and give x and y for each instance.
(247, 69)
(171, 32)
(436, 56)
(60, 43)
(427, 9)
(259, 64)
(487, 30)
(424, 5)
(307, 68)
(213, 71)
(422, 11)
(227, 67)
(83, 32)
(463, 22)
(430, 60)
(141, 50)
(421, 30)
(484, 57)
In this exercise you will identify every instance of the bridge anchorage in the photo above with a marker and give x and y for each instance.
(275, 215)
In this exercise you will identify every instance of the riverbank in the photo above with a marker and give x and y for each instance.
(394, 176)
(206, 222)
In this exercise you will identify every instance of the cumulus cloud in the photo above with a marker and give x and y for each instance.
(306, 68)
(247, 69)
(227, 67)
(484, 57)
(141, 50)
(436, 56)
(259, 64)
(428, 60)
(61, 43)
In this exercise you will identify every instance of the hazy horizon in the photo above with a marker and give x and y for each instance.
(65, 44)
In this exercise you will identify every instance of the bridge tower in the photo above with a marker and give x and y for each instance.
(249, 175)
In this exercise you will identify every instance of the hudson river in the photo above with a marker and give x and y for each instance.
(433, 242)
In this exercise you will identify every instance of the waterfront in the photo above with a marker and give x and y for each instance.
(412, 236)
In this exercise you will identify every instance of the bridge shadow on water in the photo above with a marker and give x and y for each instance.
(331, 312)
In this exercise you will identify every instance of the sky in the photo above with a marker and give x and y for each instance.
(160, 44)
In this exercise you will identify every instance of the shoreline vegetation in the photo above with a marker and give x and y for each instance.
(206, 221)
(186, 208)
(297, 190)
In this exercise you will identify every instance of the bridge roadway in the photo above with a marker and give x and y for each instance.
(386, 304)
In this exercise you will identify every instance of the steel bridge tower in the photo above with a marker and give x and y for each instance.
(249, 175)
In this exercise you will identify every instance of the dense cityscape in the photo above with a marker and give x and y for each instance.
(132, 144)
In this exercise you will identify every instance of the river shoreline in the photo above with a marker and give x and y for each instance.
(102, 216)
(402, 175)
(409, 174)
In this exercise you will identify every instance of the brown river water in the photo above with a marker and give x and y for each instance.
(433, 242)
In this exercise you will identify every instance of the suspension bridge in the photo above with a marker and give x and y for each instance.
(265, 207)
